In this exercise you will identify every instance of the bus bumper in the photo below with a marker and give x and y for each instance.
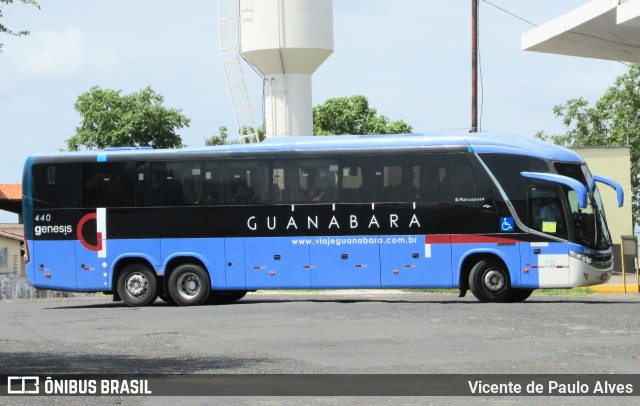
(584, 274)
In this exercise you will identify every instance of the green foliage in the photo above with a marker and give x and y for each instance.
(352, 115)
(613, 121)
(222, 138)
(6, 30)
(342, 115)
(110, 119)
(259, 131)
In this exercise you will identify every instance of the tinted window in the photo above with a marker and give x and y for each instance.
(361, 179)
(213, 184)
(108, 184)
(318, 180)
(246, 182)
(506, 169)
(57, 185)
(169, 183)
(452, 178)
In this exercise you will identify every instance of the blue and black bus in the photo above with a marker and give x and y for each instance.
(497, 215)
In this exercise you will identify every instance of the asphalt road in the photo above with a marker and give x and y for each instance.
(324, 332)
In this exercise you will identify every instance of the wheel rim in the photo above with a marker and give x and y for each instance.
(188, 285)
(494, 280)
(137, 284)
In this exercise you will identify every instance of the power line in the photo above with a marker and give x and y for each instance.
(510, 13)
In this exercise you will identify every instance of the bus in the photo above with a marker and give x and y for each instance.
(494, 214)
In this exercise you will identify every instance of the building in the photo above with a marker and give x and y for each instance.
(11, 198)
(11, 254)
(619, 219)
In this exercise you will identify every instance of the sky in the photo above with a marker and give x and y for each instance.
(410, 58)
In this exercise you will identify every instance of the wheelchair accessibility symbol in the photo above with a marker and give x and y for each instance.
(506, 224)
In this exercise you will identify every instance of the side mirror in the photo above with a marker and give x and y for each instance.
(609, 182)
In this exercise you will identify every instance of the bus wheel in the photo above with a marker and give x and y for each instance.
(189, 285)
(520, 295)
(226, 296)
(489, 281)
(137, 285)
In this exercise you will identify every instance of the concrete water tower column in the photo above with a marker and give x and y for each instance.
(286, 40)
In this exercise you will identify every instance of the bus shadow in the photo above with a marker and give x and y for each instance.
(456, 301)
(270, 300)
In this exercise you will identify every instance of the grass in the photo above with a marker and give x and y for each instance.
(575, 292)
(563, 292)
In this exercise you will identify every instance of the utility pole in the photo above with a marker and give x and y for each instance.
(474, 66)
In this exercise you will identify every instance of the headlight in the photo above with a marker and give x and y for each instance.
(582, 257)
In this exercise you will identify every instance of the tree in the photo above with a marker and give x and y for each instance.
(110, 119)
(4, 29)
(220, 139)
(613, 121)
(352, 115)
(223, 135)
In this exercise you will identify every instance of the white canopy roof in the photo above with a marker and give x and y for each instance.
(602, 29)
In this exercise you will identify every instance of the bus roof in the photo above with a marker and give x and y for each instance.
(477, 142)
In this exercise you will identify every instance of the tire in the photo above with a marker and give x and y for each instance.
(221, 297)
(489, 281)
(137, 285)
(520, 295)
(189, 285)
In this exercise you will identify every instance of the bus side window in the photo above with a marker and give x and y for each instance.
(394, 186)
(546, 213)
(212, 184)
(171, 184)
(317, 180)
(108, 184)
(190, 180)
(57, 185)
(362, 179)
(247, 182)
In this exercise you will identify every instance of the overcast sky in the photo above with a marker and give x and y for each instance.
(411, 58)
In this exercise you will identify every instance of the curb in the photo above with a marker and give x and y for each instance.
(631, 288)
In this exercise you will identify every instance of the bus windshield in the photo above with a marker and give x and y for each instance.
(589, 223)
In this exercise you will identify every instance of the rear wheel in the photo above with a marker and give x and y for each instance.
(189, 285)
(226, 296)
(489, 281)
(137, 285)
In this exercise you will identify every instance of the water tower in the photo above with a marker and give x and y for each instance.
(286, 41)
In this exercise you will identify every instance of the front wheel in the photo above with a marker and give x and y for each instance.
(189, 285)
(489, 281)
(137, 285)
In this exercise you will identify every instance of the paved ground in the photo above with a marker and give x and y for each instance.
(324, 332)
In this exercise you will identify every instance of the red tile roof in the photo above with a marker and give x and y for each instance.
(11, 191)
